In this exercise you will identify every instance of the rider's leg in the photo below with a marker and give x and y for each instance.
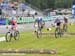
(65, 27)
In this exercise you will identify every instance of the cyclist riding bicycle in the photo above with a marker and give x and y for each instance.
(13, 24)
(39, 24)
(13, 32)
(58, 30)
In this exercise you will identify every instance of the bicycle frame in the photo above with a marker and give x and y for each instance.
(12, 31)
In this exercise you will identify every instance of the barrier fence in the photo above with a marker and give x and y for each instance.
(4, 21)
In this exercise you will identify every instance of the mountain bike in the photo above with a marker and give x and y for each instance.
(12, 34)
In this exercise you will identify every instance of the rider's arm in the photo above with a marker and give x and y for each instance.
(55, 20)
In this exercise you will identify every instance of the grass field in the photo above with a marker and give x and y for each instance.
(65, 46)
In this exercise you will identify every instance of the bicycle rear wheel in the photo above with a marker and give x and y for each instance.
(16, 35)
(8, 36)
(58, 33)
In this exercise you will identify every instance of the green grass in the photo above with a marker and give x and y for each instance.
(1, 35)
(65, 45)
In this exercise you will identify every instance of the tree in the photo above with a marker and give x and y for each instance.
(43, 4)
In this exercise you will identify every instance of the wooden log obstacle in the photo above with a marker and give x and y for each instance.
(29, 51)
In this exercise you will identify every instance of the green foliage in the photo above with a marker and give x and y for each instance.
(63, 3)
(43, 4)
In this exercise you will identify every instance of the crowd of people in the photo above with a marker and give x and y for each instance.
(9, 8)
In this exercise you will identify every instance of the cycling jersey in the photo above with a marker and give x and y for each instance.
(57, 21)
(13, 22)
(38, 20)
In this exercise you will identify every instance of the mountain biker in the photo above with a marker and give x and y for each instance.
(39, 23)
(13, 24)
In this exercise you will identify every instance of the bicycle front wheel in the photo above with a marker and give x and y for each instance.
(38, 34)
(8, 36)
(16, 35)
